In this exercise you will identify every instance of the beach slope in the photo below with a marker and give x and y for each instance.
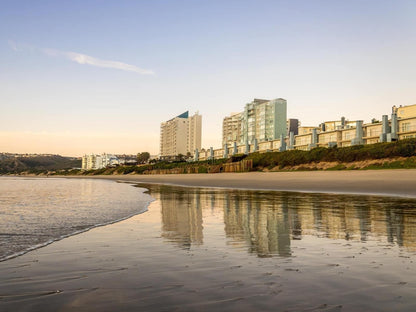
(369, 182)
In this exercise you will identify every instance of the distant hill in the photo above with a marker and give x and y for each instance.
(36, 164)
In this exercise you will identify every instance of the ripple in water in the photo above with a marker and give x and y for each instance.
(36, 212)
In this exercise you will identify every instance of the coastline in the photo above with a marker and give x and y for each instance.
(396, 183)
(201, 250)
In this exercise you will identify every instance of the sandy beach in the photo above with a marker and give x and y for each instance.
(375, 182)
(201, 249)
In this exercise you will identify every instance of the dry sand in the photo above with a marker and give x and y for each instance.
(375, 182)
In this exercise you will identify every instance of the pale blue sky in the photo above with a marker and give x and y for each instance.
(326, 58)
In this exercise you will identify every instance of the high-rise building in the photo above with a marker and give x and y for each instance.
(231, 128)
(263, 120)
(180, 135)
(194, 133)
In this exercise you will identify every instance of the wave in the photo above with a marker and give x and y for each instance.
(37, 246)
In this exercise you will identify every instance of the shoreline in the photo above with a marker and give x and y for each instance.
(206, 251)
(392, 183)
(73, 231)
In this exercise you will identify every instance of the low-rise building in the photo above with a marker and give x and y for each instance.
(95, 161)
(303, 141)
(307, 130)
(406, 116)
(340, 133)
(329, 138)
(404, 112)
(407, 128)
(372, 132)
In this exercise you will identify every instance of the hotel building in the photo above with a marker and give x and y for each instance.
(180, 135)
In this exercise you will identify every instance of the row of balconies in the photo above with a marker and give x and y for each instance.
(370, 135)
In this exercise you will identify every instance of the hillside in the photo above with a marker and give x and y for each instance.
(36, 164)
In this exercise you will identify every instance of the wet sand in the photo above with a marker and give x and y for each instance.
(221, 250)
(399, 182)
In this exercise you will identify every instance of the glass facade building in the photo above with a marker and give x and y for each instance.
(263, 120)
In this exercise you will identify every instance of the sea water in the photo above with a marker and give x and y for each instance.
(37, 211)
(201, 249)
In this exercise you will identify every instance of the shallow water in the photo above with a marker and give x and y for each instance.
(269, 224)
(35, 212)
(199, 249)
(313, 251)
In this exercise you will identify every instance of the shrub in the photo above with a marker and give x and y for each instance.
(403, 148)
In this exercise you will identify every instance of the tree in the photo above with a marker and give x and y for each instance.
(142, 158)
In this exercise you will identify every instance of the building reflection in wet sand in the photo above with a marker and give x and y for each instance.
(181, 216)
(266, 222)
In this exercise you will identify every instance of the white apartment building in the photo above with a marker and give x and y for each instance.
(194, 133)
(94, 161)
(180, 135)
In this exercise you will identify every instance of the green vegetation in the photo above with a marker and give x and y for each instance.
(380, 156)
(338, 167)
(200, 167)
(164, 165)
(345, 158)
(403, 148)
(142, 158)
(409, 163)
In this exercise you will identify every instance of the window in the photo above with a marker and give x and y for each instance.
(373, 132)
(405, 127)
(348, 136)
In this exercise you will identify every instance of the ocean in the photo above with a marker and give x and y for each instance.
(35, 212)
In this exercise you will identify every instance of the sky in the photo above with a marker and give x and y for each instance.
(85, 76)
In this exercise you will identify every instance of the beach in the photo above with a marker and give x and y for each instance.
(400, 182)
(205, 249)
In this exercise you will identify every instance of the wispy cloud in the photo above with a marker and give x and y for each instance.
(84, 59)
(93, 61)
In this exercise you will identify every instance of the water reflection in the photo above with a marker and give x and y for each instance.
(181, 216)
(266, 230)
(267, 222)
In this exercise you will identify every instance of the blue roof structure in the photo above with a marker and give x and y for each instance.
(183, 115)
